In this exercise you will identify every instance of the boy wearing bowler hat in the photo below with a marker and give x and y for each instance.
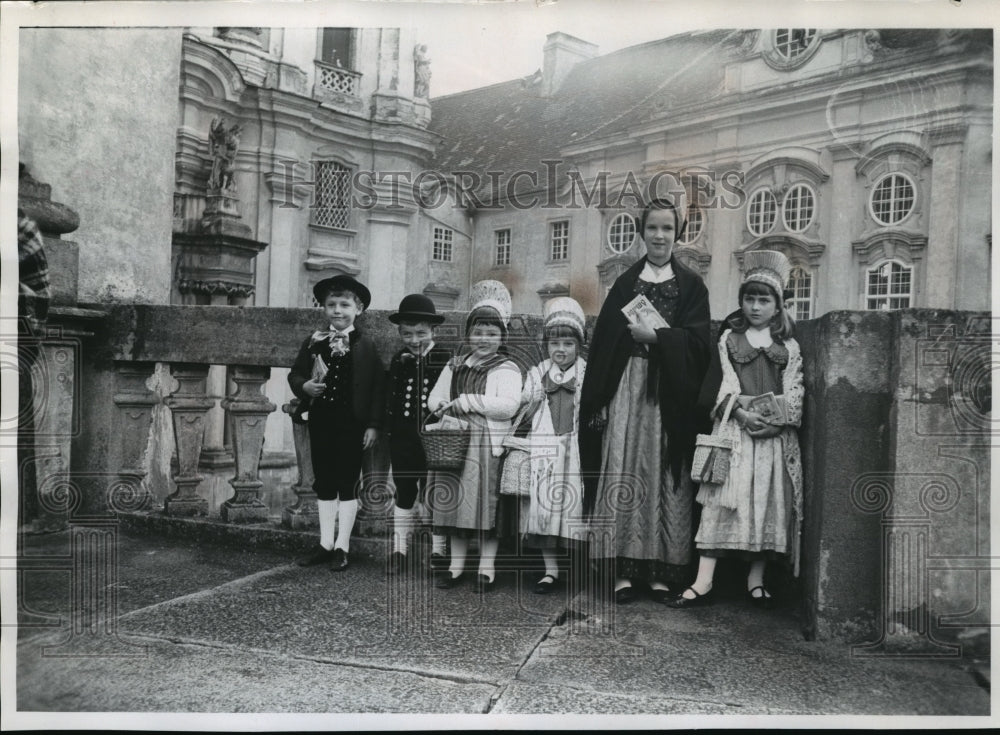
(412, 373)
(338, 377)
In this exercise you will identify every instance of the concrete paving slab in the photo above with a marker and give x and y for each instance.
(363, 617)
(734, 656)
(141, 571)
(197, 678)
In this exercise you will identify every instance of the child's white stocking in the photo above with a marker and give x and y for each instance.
(459, 547)
(327, 520)
(403, 521)
(348, 511)
(488, 556)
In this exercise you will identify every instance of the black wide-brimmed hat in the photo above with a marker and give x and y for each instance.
(416, 308)
(342, 283)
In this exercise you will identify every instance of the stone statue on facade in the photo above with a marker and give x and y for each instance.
(223, 144)
(421, 72)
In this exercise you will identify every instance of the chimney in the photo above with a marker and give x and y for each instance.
(561, 53)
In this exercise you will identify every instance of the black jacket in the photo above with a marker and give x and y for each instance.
(682, 353)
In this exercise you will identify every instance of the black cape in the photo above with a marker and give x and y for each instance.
(683, 356)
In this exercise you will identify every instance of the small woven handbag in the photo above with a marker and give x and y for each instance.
(713, 452)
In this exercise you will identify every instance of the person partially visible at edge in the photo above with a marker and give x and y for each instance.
(639, 415)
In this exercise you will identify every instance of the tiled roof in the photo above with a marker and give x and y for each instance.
(511, 126)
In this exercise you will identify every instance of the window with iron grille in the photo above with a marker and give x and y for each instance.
(790, 43)
(800, 302)
(762, 210)
(502, 239)
(442, 244)
(889, 286)
(332, 199)
(798, 207)
(695, 224)
(892, 199)
(559, 240)
(621, 232)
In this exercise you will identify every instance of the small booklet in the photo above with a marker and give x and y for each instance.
(770, 407)
(641, 306)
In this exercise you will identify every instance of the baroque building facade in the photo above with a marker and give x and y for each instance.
(863, 155)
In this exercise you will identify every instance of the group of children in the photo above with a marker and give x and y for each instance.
(567, 453)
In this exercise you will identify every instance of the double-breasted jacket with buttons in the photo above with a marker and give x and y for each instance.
(408, 385)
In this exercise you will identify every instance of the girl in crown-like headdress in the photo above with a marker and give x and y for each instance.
(551, 490)
(482, 387)
(755, 513)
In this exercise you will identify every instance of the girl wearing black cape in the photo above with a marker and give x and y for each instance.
(639, 415)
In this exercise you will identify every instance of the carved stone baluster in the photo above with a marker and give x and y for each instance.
(135, 407)
(304, 513)
(247, 408)
(189, 406)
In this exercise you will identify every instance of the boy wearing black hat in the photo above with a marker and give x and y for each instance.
(412, 374)
(337, 376)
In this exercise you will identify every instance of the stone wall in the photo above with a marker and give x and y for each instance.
(97, 119)
(895, 440)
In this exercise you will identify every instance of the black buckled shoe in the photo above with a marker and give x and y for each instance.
(483, 583)
(339, 562)
(661, 596)
(318, 555)
(445, 581)
(765, 601)
(680, 601)
(546, 585)
(626, 595)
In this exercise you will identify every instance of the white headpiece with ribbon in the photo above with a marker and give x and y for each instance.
(494, 295)
(566, 312)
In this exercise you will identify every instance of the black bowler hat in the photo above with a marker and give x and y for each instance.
(416, 308)
(342, 283)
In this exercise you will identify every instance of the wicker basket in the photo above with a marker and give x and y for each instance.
(444, 449)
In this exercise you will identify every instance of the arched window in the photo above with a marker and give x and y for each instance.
(889, 285)
(762, 210)
(798, 207)
(892, 199)
(800, 302)
(695, 225)
(621, 233)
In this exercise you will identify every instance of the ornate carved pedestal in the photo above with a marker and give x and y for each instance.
(248, 409)
(304, 513)
(188, 406)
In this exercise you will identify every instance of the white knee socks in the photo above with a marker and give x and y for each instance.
(551, 568)
(459, 547)
(488, 556)
(327, 520)
(404, 520)
(348, 511)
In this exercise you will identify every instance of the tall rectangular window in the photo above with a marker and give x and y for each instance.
(502, 240)
(889, 286)
(337, 48)
(559, 240)
(442, 244)
(332, 196)
(800, 284)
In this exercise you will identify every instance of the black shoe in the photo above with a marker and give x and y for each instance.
(445, 581)
(661, 596)
(397, 563)
(318, 555)
(339, 562)
(626, 595)
(546, 585)
(765, 601)
(680, 601)
(439, 562)
(483, 583)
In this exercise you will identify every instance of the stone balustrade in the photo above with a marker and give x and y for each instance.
(895, 448)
